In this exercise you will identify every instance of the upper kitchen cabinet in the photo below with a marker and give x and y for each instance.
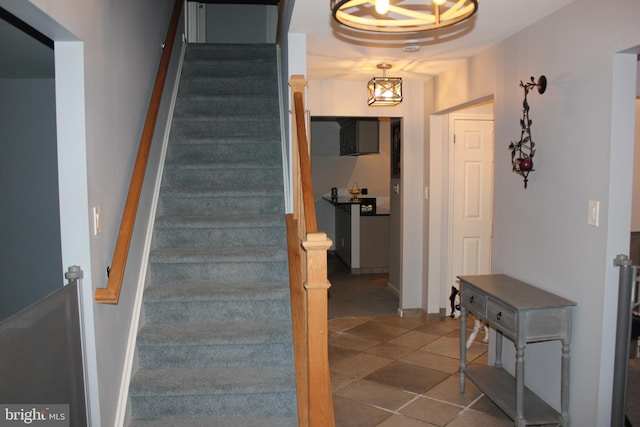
(359, 136)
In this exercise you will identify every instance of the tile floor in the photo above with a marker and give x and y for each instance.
(403, 372)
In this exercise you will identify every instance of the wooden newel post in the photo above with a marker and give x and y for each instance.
(317, 285)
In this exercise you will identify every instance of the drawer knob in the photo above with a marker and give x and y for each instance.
(499, 315)
(471, 299)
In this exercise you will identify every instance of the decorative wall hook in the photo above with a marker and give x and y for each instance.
(522, 151)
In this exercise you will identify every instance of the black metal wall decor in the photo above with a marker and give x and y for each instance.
(522, 151)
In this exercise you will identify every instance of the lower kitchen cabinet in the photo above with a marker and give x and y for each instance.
(374, 244)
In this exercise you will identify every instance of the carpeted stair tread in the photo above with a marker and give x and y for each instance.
(222, 422)
(212, 381)
(216, 333)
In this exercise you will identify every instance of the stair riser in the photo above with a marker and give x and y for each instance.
(220, 237)
(227, 86)
(197, 356)
(214, 105)
(176, 205)
(232, 125)
(268, 151)
(221, 178)
(214, 311)
(222, 272)
(226, 67)
(231, 52)
(176, 407)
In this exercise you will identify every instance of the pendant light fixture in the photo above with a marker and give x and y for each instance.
(384, 91)
(401, 16)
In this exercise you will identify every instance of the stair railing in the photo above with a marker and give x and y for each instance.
(111, 294)
(308, 277)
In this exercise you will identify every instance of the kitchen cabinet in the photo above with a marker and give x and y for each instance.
(359, 136)
(361, 240)
(374, 244)
(524, 314)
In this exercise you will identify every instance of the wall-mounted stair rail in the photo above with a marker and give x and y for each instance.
(111, 294)
(309, 284)
(627, 303)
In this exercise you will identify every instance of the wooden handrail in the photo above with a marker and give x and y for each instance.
(309, 283)
(111, 294)
(305, 166)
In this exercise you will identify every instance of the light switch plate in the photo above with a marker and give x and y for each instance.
(97, 220)
(593, 213)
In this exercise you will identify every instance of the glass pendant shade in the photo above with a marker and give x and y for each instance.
(384, 91)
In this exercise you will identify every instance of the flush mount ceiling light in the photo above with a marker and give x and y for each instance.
(384, 91)
(401, 16)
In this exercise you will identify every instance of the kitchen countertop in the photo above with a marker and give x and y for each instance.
(346, 200)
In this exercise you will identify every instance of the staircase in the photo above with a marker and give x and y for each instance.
(215, 347)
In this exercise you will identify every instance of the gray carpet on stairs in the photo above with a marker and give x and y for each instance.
(215, 347)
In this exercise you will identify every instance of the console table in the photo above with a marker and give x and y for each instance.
(524, 314)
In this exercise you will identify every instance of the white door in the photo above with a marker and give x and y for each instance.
(471, 198)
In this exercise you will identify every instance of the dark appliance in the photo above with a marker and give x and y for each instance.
(367, 206)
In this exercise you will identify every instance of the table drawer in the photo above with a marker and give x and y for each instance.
(501, 317)
(473, 300)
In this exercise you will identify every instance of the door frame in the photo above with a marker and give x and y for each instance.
(440, 209)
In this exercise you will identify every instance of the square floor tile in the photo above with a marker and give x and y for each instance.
(414, 339)
(449, 391)
(402, 322)
(403, 421)
(441, 328)
(471, 418)
(339, 381)
(380, 395)
(376, 331)
(352, 342)
(450, 347)
(359, 365)
(431, 411)
(350, 413)
(407, 377)
(339, 353)
(343, 323)
(389, 351)
(432, 361)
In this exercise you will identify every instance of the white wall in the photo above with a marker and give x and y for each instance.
(106, 59)
(581, 126)
(635, 210)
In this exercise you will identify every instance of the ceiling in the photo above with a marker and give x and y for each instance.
(337, 52)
